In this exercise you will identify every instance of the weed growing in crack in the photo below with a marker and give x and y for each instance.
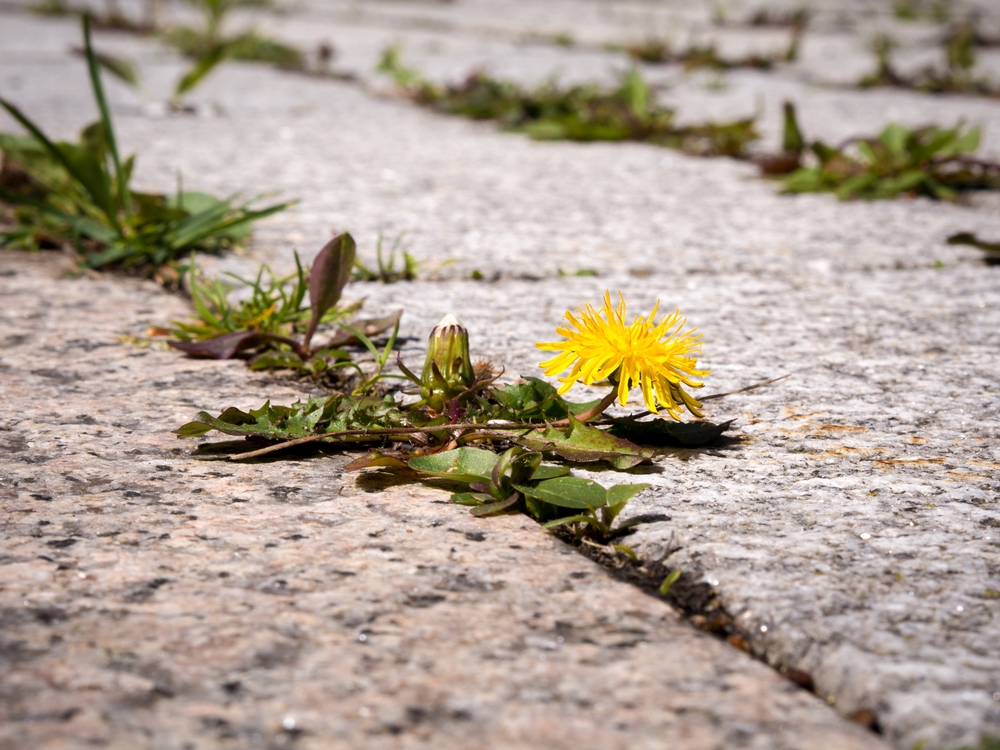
(385, 269)
(986, 743)
(575, 113)
(274, 327)
(938, 11)
(518, 480)
(127, 73)
(77, 195)
(931, 161)
(274, 305)
(958, 76)
(765, 18)
(500, 448)
(697, 57)
(207, 46)
(214, 13)
(249, 46)
(992, 249)
(111, 17)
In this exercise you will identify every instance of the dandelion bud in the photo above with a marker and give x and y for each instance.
(448, 366)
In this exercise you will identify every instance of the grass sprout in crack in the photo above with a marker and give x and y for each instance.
(78, 196)
(574, 113)
(110, 17)
(938, 11)
(275, 325)
(384, 269)
(797, 18)
(957, 77)
(701, 56)
(931, 161)
(207, 47)
(991, 248)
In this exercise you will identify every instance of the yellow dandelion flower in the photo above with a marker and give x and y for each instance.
(656, 357)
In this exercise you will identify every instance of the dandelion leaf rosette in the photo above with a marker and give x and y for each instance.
(312, 417)
(567, 492)
(536, 400)
(465, 465)
(585, 444)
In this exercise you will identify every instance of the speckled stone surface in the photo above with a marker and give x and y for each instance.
(152, 600)
(852, 532)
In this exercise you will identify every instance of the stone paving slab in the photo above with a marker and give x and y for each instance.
(464, 193)
(149, 600)
(889, 419)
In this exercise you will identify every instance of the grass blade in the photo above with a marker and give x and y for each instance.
(120, 250)
(120, 68)
(201, 68)
(95, 188)
(124, 197)
(212, 221)
(79, 224)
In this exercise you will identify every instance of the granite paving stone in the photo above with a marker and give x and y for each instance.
(851, 529)
(152, 600)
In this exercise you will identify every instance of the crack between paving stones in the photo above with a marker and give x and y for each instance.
(699, 604)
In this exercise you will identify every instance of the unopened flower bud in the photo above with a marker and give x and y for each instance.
(448, 353)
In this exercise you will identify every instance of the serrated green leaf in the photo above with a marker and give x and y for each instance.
(585, 444)
(525, 466)
(193, 429)
(316, 416)
(620, 494)
(489, 509)
(549, 471)
(475, 499)
(535, 400)
(460, 465)
(274, 422)
(567, 492)
(375, 459)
